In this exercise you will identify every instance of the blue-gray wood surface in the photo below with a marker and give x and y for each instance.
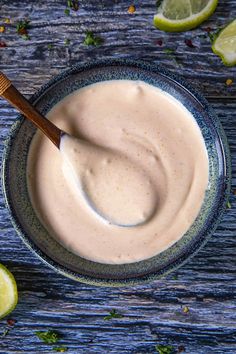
(153, 314)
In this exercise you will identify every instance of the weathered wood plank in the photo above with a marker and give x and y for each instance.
(152, 313)
(125, 35)
(199, 286)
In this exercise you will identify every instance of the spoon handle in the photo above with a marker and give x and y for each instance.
(15, 98)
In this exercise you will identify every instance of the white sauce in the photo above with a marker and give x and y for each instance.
(144, 161)
(109, 181)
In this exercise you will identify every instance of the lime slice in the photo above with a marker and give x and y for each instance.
(8, 291)
(182, 15)
(225, 44)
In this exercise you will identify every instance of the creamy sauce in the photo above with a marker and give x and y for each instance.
(142, 159)
(109, 181)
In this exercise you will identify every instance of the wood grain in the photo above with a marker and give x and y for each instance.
(17, 100)
(153, 314)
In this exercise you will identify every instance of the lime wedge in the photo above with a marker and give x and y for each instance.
(8, 292)
(225, 44)
(182, 15)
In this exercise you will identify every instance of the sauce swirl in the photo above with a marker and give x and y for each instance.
(163, 180)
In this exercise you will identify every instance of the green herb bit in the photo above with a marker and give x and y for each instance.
(73, 4)
(169, 51)
(211, 36)
(50, 46)
(48, 337)
(214, 35)
(22, 29)
(164, 349)
(67, 41)
(113, 314)
(91, 39)
(228, 205)
(26, 37)
(67, 12)
(158, 3)
(60, 349)
(5, 332)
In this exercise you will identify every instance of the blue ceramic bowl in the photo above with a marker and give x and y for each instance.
(46, 247)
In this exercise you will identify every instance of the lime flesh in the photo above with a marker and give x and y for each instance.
(182, 15)
(225, 44)
(8, 292)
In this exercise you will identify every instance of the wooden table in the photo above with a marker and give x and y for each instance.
(153, 314)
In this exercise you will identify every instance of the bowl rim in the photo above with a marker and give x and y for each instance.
(136, 280)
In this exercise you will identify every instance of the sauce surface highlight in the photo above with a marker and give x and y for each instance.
(163, 153)
(99, 174)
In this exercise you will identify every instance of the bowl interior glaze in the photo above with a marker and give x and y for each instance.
(46, 247)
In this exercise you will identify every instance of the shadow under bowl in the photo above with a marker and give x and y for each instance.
(53, 253)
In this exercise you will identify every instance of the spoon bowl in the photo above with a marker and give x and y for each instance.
(105, 173)
(82, 156)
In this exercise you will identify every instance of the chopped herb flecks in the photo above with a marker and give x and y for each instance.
(113, 314)
(10, 325)
(164, 349)
(214, 34)
(228, 205)
(22, 29)
(171, 53)
(158, 3)
(67, 12)
(67, 41)
(91, 39)
(5, 332)
(168, 51)
(48, 337)
(73, 4)
(60, 349)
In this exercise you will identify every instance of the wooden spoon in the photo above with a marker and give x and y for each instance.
(12, 95)
(93, 157)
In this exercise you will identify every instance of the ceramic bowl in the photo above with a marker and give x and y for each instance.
(46, 247)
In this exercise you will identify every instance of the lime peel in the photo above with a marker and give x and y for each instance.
(8, 292)
(184, 7)
(224, 44)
